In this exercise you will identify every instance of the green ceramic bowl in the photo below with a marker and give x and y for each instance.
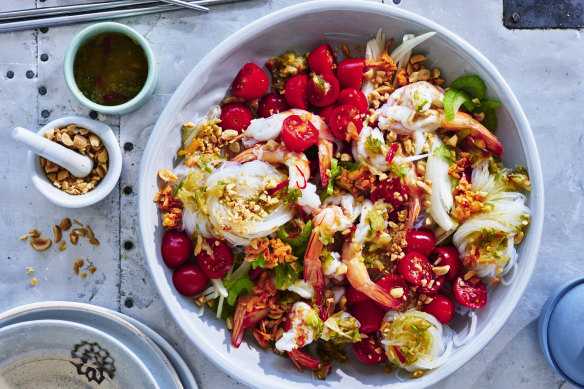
(89, 33)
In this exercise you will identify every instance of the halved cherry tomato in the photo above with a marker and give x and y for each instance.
(393, 281)
(216, 265)
(354, 296)
(441, 307)
(321, 60)
(415, 268)
(354, 97)
(432, 287)
(296, 92)
(323, 89)
(325, 112)
(298, 134)
(421, 241)
(235, 116)
(386, 190)
(189, 279)
(272, 104)
(176, 248)
(368, 314)
(350, 72)
(370, 350)
(250, 83)
(447, 255)
(471, 293)
(346, 122)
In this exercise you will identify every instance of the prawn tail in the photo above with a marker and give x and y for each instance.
(248, 155)
(313, 272)
(413, 210)
(238, 328)
(379, 295)
(481, 136)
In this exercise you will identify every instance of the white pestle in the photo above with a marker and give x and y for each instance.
(77, 164)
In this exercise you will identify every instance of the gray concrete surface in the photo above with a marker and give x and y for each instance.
(544, 68)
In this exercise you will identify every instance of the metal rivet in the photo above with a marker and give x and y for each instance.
(29, 74)
(44, 57)
(128, 146)
(44, 30)
(129, 303)
(42, 90)
(9, 74)
(516, 17)
(128, 190)
(396, 1)
(128, 245)
(45, 113)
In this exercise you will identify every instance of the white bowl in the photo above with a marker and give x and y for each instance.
(303, 27)
(105, 186)
(57, 353)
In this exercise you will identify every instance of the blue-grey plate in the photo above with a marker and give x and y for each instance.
(161, 359)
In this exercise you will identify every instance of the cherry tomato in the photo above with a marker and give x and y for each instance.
(235, 116)
(354, 296)
(189, 279)
(386, 190)
(325, 112)
(298, 134)
(321, 60)
(415, 268)
(176, 248)
(216, 265)
(340, 120)
(450, 256)
(272, 104)
(368, 314)
(441, 307)
(296, 92)
(323, 89)
(350, 72)
(393, 281)
(471, 293)
(434, 288)
(370, 350)
(421, 241)
(354, 97)
(250, 83)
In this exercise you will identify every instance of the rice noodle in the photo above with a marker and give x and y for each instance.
(401, 55)
(441, 199)
(219, 287)
(456, 339)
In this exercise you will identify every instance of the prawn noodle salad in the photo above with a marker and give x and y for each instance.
(350, 204)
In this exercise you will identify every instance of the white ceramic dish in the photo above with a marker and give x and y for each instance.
(109, 181)
(303, 27)
(158, 356)
(57, 353)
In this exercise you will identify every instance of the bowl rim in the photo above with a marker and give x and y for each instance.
(482, 65)
(90, 32)
(109, 181)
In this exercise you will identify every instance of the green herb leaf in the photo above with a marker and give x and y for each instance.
(237, 287)
(373, 144)
(335, 172)
(293, 195)
(453, 99)
(349, 165)
(259, 261)
(471, 81)
(444, 152)
(286, 275)
(399, 170)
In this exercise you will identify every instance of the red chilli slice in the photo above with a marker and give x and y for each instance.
(303, 177)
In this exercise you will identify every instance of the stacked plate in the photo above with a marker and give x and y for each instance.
(65, 344)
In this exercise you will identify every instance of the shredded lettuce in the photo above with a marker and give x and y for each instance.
(260, 261)
(341, 328)
(312, 320)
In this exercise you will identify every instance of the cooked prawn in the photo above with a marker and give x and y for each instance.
(243, 319)
(358, 276)
(264, 129)
(418, 107)
(326, 222)
(298, 169)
